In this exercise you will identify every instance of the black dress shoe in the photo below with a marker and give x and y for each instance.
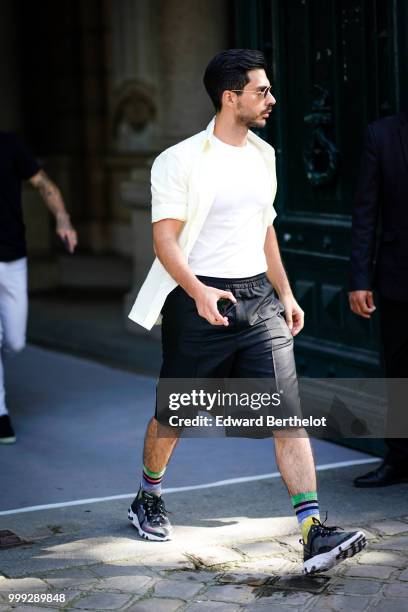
(7, 435)
(386, 474)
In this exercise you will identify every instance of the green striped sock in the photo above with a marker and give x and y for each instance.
(152, 481)
(306, 507)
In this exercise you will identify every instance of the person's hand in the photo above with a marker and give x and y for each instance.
(294, 315)
(206, 302)
(362, 303)
(66, 232)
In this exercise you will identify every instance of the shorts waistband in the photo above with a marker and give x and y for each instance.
(249, 281)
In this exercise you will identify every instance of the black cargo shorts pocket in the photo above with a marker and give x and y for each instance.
(265, 307)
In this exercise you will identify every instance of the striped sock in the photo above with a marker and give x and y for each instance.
(306, 507)
(152, 481)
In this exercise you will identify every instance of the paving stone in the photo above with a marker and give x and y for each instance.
(281, 599)
(71, 578)
(311, 584)
(292, 541)
(231, 593)
(212, 606)
(123, 567)
(128, 584)
(108, 570)
(339, 569)
(24, 608)
(23, 585)
(403, 575)
(260, 549)
(102, 601)
(251, 579)
(215, 555)
(197, 575)
(168, 563)
(276, 565)
(397, 589)
(392, 543)
(369, 535)
(155, 604)
(381, 572)
(262, 606)
(355, 587)
(382, 557)
(148, 566)
(341, 603)
(182, 589)
(71, 552)
(389, 605)
(390, 527)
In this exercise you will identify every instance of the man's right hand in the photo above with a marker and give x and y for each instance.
(362, 303)
(206, 300)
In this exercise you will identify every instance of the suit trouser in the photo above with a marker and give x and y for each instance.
(13, 313)
(394, 335)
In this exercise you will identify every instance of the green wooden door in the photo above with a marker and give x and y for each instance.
(334, 68)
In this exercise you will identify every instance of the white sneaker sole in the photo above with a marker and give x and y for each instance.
(145, 534)
(346, 550)
(10, 440)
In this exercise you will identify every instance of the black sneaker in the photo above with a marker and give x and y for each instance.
(148, 514)
(7, 435)
(327, 546)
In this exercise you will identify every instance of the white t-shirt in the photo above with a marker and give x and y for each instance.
(231, 242)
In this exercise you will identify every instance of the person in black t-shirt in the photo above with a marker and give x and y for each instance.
(16, 165)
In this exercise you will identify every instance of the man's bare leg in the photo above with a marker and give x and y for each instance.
(147, 512)
(296, 464)
(295, 461)
(159, 445)
(323, 546)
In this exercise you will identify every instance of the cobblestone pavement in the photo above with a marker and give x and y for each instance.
(199, 574)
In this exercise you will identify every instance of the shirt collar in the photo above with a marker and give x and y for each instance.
(252, 137)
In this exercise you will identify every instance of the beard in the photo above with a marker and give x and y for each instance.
(249, 119)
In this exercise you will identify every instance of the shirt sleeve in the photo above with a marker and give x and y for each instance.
(26, 165)
(169, 188)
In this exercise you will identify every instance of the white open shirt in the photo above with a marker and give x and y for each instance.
(182, 188)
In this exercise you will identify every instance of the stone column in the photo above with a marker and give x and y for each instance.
(191, 33)
(134, 74)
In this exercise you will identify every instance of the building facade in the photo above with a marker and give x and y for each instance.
(99, 88)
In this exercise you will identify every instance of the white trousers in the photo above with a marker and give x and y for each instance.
(13, 314)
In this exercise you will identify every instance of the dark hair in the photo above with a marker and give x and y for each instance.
(228, 70)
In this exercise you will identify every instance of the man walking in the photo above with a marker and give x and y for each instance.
(383, 194)
(16, 165)
(212, 212)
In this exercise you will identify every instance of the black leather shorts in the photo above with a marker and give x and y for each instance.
(256, 344)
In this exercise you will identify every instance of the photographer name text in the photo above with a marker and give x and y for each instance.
(259, 421)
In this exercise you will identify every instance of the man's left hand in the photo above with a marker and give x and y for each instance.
(67, 233)
(294, 315)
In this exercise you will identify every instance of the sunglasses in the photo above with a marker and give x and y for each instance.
(260, 92)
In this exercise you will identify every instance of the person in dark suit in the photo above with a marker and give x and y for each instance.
(380, 260)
